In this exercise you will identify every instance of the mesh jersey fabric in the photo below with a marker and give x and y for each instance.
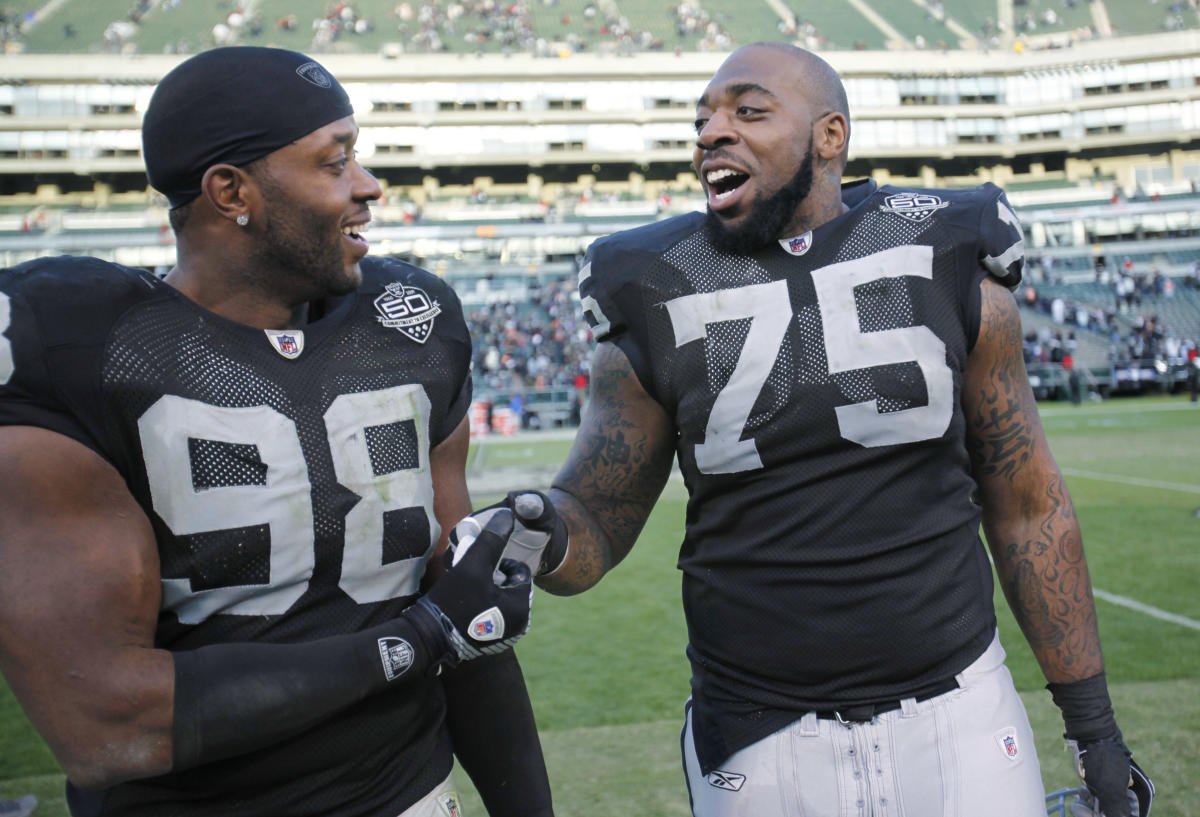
(291, 498)
(831, 553)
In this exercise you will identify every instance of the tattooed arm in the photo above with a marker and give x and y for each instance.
(617, 467)
(1027, 514)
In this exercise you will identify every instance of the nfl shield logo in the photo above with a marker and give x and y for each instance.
(448, 801)
(1006, 738)
(408, 310)
(798, 245)
(483, 628)
(288, 342)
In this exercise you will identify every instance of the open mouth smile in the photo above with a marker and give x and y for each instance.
(723, 183)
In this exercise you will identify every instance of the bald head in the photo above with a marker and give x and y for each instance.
(772, 134)
(815, 78)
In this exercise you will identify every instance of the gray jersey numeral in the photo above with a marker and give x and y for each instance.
(283, 500)
(847, 348)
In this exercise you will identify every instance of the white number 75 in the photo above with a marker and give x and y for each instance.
(847, 348)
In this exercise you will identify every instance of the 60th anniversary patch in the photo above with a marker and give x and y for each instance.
(407, 310)
(913, 206)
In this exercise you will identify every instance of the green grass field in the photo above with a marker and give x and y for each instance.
(607, 671)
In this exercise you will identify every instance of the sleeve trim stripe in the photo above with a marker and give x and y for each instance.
(1002, 261)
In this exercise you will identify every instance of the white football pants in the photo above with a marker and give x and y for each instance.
(966, 753)
(443, 801)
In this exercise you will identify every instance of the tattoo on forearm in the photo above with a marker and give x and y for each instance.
(1046, 582)
(611, 466)
(1002, 438)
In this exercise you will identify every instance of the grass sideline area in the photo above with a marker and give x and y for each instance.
(608, 675)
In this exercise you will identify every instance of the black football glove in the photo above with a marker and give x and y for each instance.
(539, 536)
(1116, 784)
(481, 605)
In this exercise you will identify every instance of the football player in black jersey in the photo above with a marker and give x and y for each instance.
(222, 495)
(838, 370)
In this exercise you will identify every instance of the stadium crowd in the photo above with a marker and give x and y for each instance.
(1130, 334)
(538, 344)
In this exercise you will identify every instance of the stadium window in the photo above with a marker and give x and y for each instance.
(6, 110)
(565, 104)
(1159, 84)
(393, 148)
(112, 109)
(562, 147)
(392, 107)
(462, 106)
(672, 144)
(672, 103)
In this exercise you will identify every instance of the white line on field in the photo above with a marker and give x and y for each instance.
(1154, 612)
(1066, 411)
(1143, 483)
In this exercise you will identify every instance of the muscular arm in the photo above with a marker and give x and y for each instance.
(616, 469)
(79, 598)
(1028, 517)
(79, 601)
(487, 703)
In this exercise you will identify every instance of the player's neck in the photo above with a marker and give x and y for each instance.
(812, 213)
(234, 300)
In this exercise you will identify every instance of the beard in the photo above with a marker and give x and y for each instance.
(767, 215)
(299, 252)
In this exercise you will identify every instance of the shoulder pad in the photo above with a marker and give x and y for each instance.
(74, 297)
(379, 272)
(1001, 238)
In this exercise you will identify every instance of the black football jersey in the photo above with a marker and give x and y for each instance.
(832, 552)
(287, 478)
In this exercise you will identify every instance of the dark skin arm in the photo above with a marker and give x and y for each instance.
(79, 599)
(616, 469)
(80, 591)
(1028, 517)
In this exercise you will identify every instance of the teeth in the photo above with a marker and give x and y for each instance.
(349, 230)
(715, 176)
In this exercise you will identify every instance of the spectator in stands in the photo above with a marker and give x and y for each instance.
(1073, 389)
(1193, 359)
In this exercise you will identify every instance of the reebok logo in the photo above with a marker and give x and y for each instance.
(730, 781)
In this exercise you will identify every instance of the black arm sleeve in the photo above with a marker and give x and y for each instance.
(235, 698)
(495, 737)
